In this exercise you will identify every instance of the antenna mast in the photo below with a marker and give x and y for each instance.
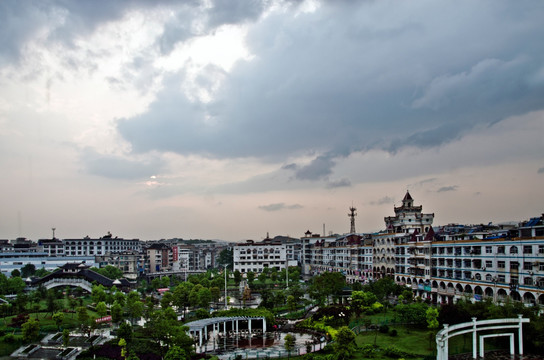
(352, 216)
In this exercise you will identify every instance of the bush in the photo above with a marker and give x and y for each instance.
(9, 338)
(384, 329)
(393, 332)
(394, 352)
(367, 350)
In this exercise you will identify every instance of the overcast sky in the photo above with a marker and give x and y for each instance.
(225, 119)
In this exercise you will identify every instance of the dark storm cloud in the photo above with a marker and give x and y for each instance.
(118, 168)
(22, 20)
(338, 81)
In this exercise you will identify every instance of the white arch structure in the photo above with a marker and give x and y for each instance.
(478, 326)
(82, 283)
(199, 328)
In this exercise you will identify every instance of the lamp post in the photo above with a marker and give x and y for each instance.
(225, 287)
(287, 274)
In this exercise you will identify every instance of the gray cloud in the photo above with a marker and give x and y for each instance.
(447, 188)
(383, 201)
(541, 170)
(338, 183)
(119, 168)
(280, 206)
(336, 81)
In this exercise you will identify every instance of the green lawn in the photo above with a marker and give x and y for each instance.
(412, 341)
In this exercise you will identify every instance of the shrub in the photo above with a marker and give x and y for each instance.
(367, 350)
(394, 352)
(393, 332)
(9, 338)
(384, 329)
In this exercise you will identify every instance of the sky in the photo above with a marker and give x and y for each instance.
(224, 119)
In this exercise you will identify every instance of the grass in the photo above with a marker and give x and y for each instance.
(410, 341)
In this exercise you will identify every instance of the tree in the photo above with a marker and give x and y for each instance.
(116, 312)
(226, 257)
(125, 332)
(291, 303)
(109, 271)
(21, 301)
(175, 353)
(167, 299)
(52, 302)
(325, 285)
(98, 294)
(65, 337)
(16, 285)
(15, 273)
(28, 270)
(414, 313)
(58, 318)
(134, 306)
(30, 330)
(289, 342)
(344, 343)
(237, 277)
(82, 315)
(216, 293)
(204, 297)
(165, 282)
(361, 300)
(101, 309)
(250, 277)
(432, 323)
(181, 295)
(164, 328)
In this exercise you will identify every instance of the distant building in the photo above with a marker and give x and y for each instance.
(255, 256)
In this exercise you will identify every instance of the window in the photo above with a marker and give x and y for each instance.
(500, 249)
(513, 250)
(488, 250)
(488, 263)
(501, 279)
(488, 277)
(527, 265)
(500, 264)
(541, 249)
(527, 281)
(527, 249)
(514, 265)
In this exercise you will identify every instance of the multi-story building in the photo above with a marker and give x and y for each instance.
(408, 222)
(479, 264)
(131, 263)
(53, 247)
(158, 258)
(255, 256)
(10, 261)
(101, 246)
(349, 254)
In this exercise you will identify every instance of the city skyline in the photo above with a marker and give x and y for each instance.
(227, 120)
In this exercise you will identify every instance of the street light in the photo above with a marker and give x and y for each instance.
(225, 287)
(287, 274)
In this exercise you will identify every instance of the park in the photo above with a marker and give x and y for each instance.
(321, 318)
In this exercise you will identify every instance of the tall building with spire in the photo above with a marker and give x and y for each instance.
(409, 218)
